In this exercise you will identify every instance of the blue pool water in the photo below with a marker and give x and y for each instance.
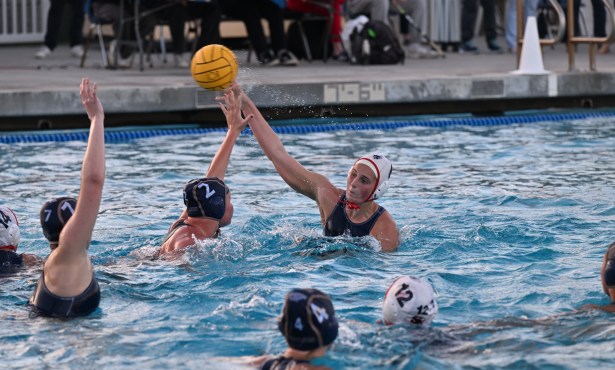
(509, 224)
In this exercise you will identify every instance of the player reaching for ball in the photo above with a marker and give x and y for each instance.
(352, 210)
(67, 286)
(208, 199)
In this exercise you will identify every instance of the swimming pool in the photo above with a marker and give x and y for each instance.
(508, 222)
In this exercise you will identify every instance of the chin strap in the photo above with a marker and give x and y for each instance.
(351, 205)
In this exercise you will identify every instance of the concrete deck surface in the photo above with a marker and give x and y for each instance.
(44, 93)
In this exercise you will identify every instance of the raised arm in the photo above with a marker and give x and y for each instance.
(76, 235)
(294, 174)
(231, 107)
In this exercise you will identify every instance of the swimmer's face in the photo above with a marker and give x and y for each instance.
(228, 211)
(360, 183)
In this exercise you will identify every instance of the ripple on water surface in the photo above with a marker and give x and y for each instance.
(509, 224)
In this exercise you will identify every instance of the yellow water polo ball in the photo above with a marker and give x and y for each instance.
(214, 67)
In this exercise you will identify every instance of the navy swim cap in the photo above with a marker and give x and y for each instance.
(609, 267)
(205, 197)
(54, 215)
(308, 320)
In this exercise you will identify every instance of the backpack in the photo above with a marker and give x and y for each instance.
(375, 43)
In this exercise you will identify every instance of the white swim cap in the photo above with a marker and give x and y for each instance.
(411, 300)
(382, 168)
(9, 229)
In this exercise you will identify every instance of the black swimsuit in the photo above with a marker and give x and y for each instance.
(179, 224)
(176, 225)
(10, 261)
(338, 222)
(49, 304)
(282, 363)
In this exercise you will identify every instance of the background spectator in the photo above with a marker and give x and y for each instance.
(469, 13)
(55, 17)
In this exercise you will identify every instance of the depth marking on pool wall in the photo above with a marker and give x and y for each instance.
(204, 98)
(552, 79)
(487, 88)
(354, 92)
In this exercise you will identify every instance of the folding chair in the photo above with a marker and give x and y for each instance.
(95, 24)
(138, 15)
(301, 17)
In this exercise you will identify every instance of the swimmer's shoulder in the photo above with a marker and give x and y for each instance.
(310, 367)
(328, 196)
(259, 361)
(385, 230)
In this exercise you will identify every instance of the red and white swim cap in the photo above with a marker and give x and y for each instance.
(382, 168)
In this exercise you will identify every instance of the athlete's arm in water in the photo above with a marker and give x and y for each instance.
(68, 270)
(294, 174)
(385, 231)
(606, 308)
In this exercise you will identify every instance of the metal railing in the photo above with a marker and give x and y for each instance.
(23, 20)
(592, 41)
(563, 19)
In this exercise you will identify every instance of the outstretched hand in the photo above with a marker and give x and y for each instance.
(234, 87)
(230, 103)
(90, 100)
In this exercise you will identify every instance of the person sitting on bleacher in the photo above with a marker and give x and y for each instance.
(210, 14)
(174, 14)
(336, 23)
(251, 12)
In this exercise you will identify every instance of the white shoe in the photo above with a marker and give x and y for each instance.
(121, 62)
(43, 52)
(180, 61)
(418, 51)
(76, 51)
(111, 52)
(287, 58)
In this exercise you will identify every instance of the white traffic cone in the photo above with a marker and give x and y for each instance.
(531, 53)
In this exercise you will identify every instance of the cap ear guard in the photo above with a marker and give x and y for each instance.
(381, 190)
(54, 215)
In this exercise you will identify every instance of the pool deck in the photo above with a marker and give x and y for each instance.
(44, 93)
